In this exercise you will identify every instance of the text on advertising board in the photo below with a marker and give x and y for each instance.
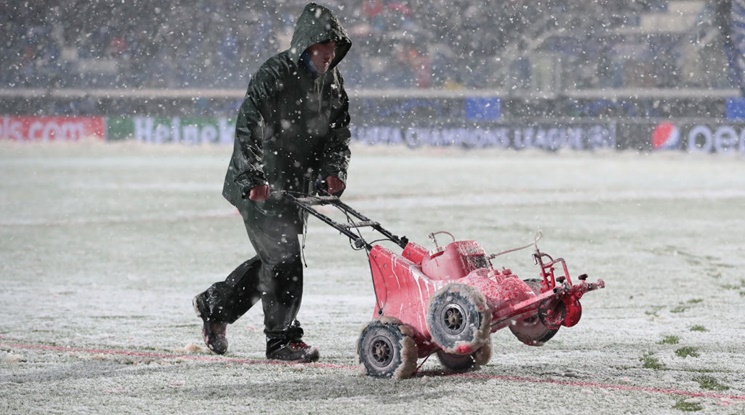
(700, 138)
(549, 137)
(51, 128)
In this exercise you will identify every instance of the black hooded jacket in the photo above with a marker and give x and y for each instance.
(293, 126)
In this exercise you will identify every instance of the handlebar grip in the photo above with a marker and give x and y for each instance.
(321, 187)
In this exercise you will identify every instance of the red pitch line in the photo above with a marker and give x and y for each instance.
(222, 359)
(164, 356)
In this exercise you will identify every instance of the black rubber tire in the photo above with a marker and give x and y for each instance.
(463, 363)
(456, 362)
(531, 330)
(385, 350)
(458, 318)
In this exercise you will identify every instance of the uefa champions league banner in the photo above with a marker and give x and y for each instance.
(552, 136)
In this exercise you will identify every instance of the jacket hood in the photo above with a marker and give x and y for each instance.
(318, 24)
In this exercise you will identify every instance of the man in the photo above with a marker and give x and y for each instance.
(292, 132)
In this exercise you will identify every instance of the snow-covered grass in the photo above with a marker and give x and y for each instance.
(102, 247)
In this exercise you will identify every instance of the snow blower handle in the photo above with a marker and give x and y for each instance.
(321, 187)
(536, 238)
(330, 186)
(355, 219)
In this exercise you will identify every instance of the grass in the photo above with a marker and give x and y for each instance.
(687, 351)
(670, 340)
(734, 286)
(682, 307)
(684, 406)
(678, 309)
(654, 311)
(651, 362)
(698, 328)
(710, 383)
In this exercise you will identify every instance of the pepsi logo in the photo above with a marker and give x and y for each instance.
(665, 136)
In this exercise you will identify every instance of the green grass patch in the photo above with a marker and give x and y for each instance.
(734, 286)
(670, 340)
(684, 406)
(710, 383)
(687, 351)
(678, 309)
(651, 362)
(698, 328)
(653, 311)
(683, 307)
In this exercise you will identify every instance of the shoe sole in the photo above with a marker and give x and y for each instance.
(198, 306)
(311, 356)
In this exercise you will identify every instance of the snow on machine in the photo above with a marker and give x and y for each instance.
(448, 301)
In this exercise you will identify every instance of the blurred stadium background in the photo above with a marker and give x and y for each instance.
(542, 58)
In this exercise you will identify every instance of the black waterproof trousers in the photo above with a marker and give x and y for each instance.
(274, 276)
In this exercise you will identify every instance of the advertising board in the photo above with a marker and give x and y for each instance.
(52, 128)
(517, 135)
(699, 137)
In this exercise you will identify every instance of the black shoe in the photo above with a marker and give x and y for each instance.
(212, 331)
(294, 351)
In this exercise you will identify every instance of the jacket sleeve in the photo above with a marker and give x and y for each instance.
(336, 150)
(250, 130)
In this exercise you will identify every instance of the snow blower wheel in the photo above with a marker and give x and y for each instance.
(386, 350)
(463, 363)
(552, 313)
(455, 362)
(532, 330)
(459, 319)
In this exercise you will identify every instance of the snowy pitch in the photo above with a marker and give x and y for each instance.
(102, 247)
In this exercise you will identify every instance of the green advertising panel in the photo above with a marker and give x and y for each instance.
(185, 130)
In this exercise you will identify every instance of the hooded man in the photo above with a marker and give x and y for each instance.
(292, 132)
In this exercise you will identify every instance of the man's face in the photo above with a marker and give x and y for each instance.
(322, 54)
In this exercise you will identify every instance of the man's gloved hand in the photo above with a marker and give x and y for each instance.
(259, 193)
(334, 185)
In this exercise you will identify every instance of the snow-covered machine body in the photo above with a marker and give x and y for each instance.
(449, 300)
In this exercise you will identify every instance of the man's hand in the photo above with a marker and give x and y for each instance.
(334, 185)
(259, 193)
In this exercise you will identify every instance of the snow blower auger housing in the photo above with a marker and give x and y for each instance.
(448, 301)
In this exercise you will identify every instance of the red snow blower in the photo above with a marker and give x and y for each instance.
(448, 301)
